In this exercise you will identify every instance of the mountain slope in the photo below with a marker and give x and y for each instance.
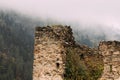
(16, 44)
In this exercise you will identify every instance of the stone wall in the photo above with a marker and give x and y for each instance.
(50, 49)
(111, 57)
(49, 52)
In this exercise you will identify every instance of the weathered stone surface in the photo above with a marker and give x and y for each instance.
(49, 52)
(111, 53)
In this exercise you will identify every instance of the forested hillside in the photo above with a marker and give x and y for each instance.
(16, 46)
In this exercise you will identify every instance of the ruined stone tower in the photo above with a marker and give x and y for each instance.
(111, 53)
(49, 52)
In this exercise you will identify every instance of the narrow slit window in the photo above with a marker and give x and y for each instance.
(57, 65)
(110, 68)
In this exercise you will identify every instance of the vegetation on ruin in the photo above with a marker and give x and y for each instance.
(83, 64)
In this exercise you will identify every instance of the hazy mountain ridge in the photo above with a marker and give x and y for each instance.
(96, 33)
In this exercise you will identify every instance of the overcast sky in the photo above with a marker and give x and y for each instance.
(100, 11)
(105, 12)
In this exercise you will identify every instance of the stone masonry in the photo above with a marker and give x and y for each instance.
(49, 52)
(111, 53)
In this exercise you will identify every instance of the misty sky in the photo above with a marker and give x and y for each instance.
(87, 12)
(100, 11)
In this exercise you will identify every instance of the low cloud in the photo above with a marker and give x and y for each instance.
(96, 16)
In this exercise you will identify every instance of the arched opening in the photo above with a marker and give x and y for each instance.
(57, 65)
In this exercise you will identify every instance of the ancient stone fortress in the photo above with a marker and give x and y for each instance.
(111, 53)
(49, 52)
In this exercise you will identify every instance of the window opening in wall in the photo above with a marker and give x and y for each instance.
(110, 68)
(58, 65)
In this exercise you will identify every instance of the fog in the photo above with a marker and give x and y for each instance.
(98, 16)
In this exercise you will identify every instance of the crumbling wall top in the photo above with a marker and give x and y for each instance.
(57, 32)
(114, 45)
